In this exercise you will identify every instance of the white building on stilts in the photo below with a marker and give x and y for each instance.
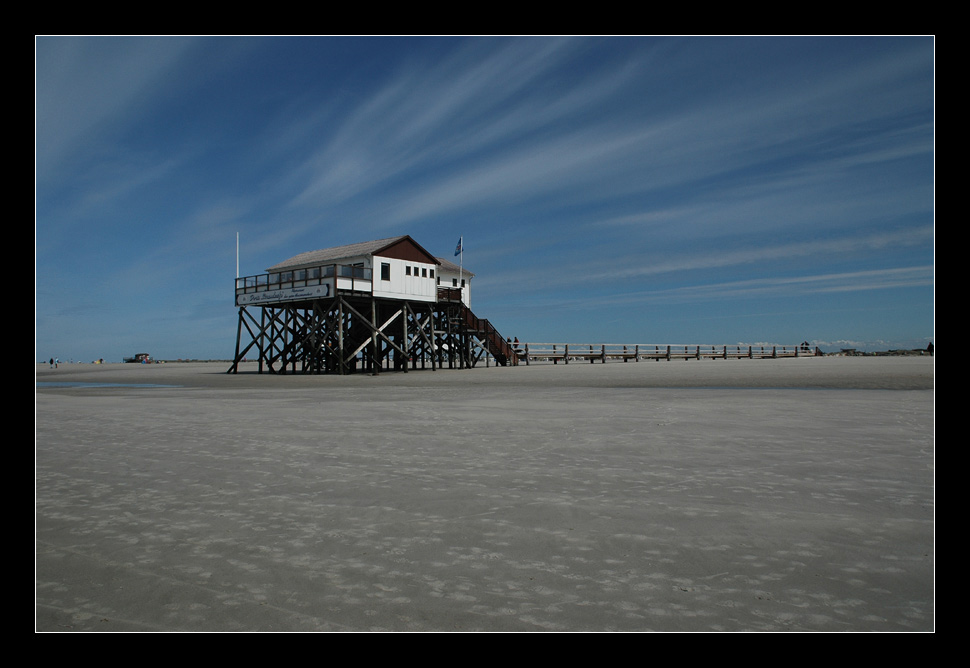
(383, 304)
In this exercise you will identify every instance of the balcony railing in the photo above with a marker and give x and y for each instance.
(350, 277)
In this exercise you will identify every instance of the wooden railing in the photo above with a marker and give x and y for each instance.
(601, 352)
(300, 278)
(449, 294)
(499, 348)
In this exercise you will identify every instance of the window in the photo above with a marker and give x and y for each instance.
(424, 272)
(463, 282)
(385, 271)
(407, 270)
(354, 270)
(431, 271)
(454, 282)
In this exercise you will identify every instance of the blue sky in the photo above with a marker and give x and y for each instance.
(619, 190)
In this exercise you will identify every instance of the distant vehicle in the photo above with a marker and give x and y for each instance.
(139, 358)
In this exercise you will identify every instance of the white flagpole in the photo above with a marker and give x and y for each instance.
(237, 254)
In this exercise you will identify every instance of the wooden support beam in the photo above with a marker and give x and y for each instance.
(345, 305)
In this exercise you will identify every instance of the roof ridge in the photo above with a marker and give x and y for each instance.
(324, 255)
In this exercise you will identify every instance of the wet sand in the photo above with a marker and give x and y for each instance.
(701, 495)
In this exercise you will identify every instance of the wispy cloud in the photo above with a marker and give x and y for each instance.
(624, 268)
(88, 85)
(488, 127)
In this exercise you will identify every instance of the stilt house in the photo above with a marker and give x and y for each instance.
(378, 304)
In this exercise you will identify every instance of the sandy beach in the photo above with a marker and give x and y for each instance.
(701, 495)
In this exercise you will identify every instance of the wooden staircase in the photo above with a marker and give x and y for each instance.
(482, 329)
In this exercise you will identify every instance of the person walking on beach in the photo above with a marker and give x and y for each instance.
(52, 362)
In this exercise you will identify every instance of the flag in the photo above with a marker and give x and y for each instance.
(458, 247)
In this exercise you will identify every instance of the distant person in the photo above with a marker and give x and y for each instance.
(57, 361)
(52, 362)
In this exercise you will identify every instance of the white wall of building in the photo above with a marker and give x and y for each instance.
(404, 279)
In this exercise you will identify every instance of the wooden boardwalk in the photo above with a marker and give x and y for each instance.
(601, 352)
